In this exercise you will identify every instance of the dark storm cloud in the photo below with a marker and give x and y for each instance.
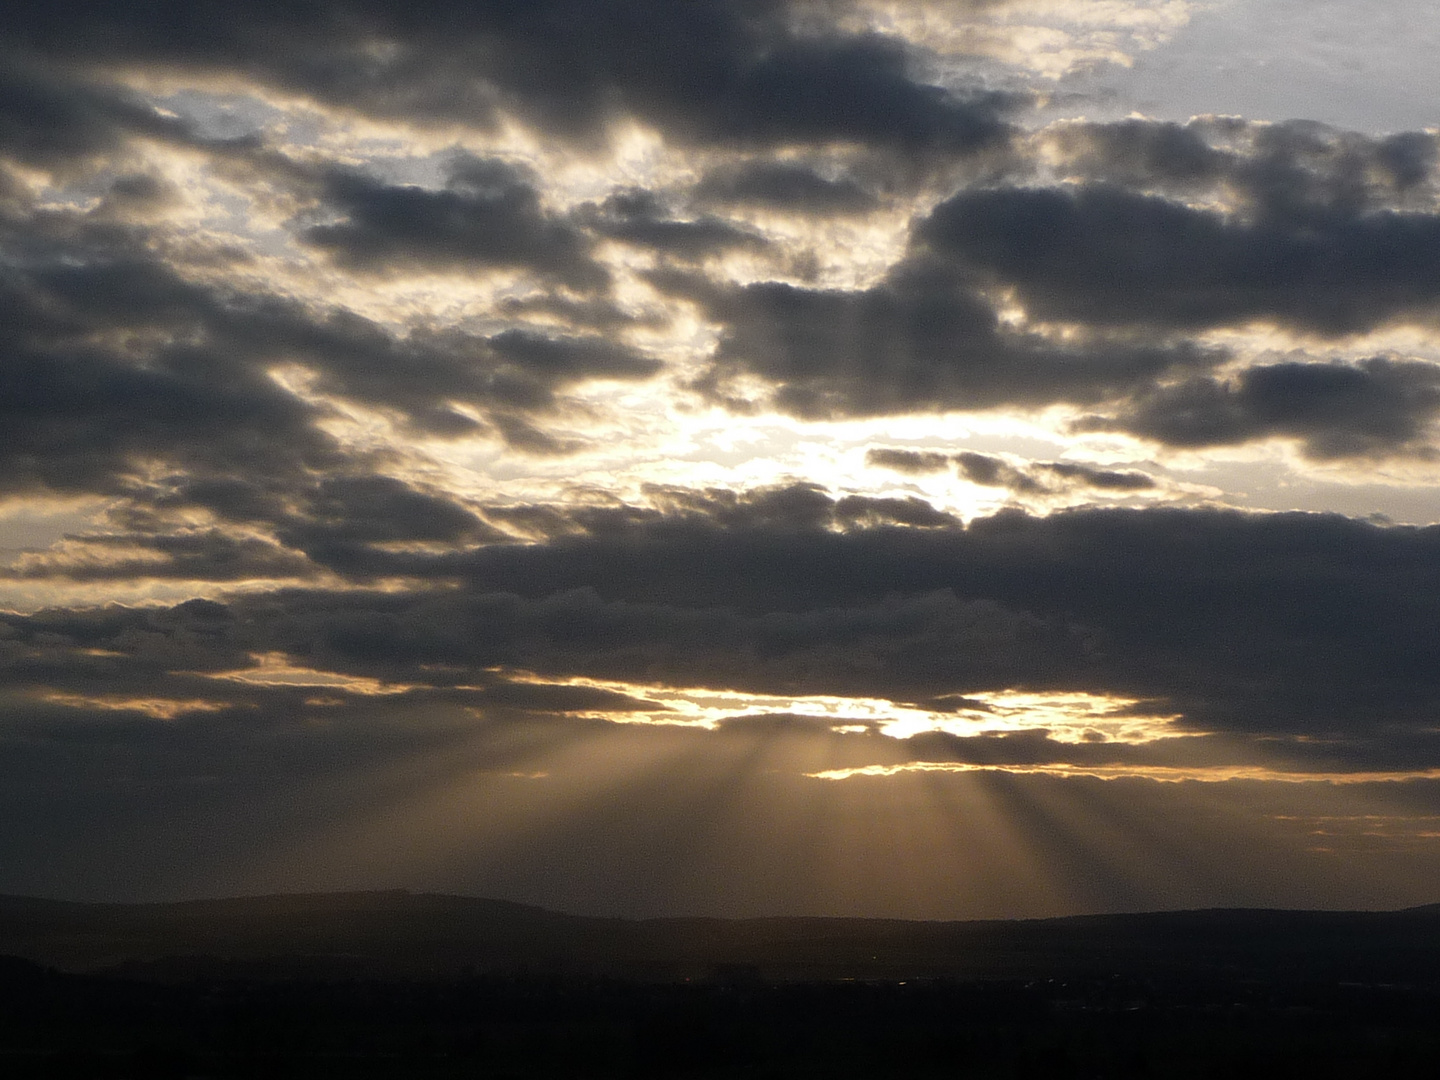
(550, 698)
(1375, 408)
(1291, 171)
(862, 510)
(795, 506)
(907, 461)
(123, 377)
(379, 508)
(1287, 622)
(1143, 153)
(335, 522)
(488, 214)
(1319, 239)
(49, 120)
(732, 71)
(81, 415)
(128, 373)
(590, 313)
(560, 360)
(778, 185)
(421, 374)
(1272, 170)
(113, 357)
(121, 651)
(1409, 157)
(1104, 479)
(895, 646)
(991, 471)
(211, 555)
(1043, 476)
(199, 658)
(1316, 240)
(1268, 625)
(638, 217)
(924, 338)
(1105, 256)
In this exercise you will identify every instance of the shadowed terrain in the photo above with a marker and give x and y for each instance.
(412, 935)
(395, 984)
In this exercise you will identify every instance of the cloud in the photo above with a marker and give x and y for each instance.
(1286, 622)
(1318, 240)
(907, 461)
(922, 339)
(1409, 157)
(991, 471)
(380, 509)
(733, 72)
(1374, 408)
(197, 555)
(638, 217)
(1103, 479)
(80, 413)
(1257, 625)
(486, 215)
(859, 509)
(1108, 257)
(1143, 153)
(51, 121)
(778, 185)
(1268, 170)
(116, 358)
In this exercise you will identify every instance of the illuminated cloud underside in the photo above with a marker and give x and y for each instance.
(1165, 774)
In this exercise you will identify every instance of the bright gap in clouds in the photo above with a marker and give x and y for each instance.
(1165, 774)
(1066, 717)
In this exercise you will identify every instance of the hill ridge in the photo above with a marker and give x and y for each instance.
(386, 933)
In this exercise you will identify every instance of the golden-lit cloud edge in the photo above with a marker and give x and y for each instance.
(1167, 774)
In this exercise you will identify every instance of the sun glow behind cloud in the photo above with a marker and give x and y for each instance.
(1167, 774)
(1065, 717)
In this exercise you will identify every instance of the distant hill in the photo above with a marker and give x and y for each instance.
(427, 936)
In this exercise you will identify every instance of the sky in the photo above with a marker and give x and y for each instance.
(951, 459)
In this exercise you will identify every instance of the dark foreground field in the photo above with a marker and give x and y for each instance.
(388, 984)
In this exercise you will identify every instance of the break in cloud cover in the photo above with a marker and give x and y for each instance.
(739, 457)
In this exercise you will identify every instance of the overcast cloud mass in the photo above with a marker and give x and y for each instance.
(731, 457)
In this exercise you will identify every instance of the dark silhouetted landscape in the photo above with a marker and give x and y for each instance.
(400, 984)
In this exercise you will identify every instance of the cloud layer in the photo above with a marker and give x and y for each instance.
(683, 400)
